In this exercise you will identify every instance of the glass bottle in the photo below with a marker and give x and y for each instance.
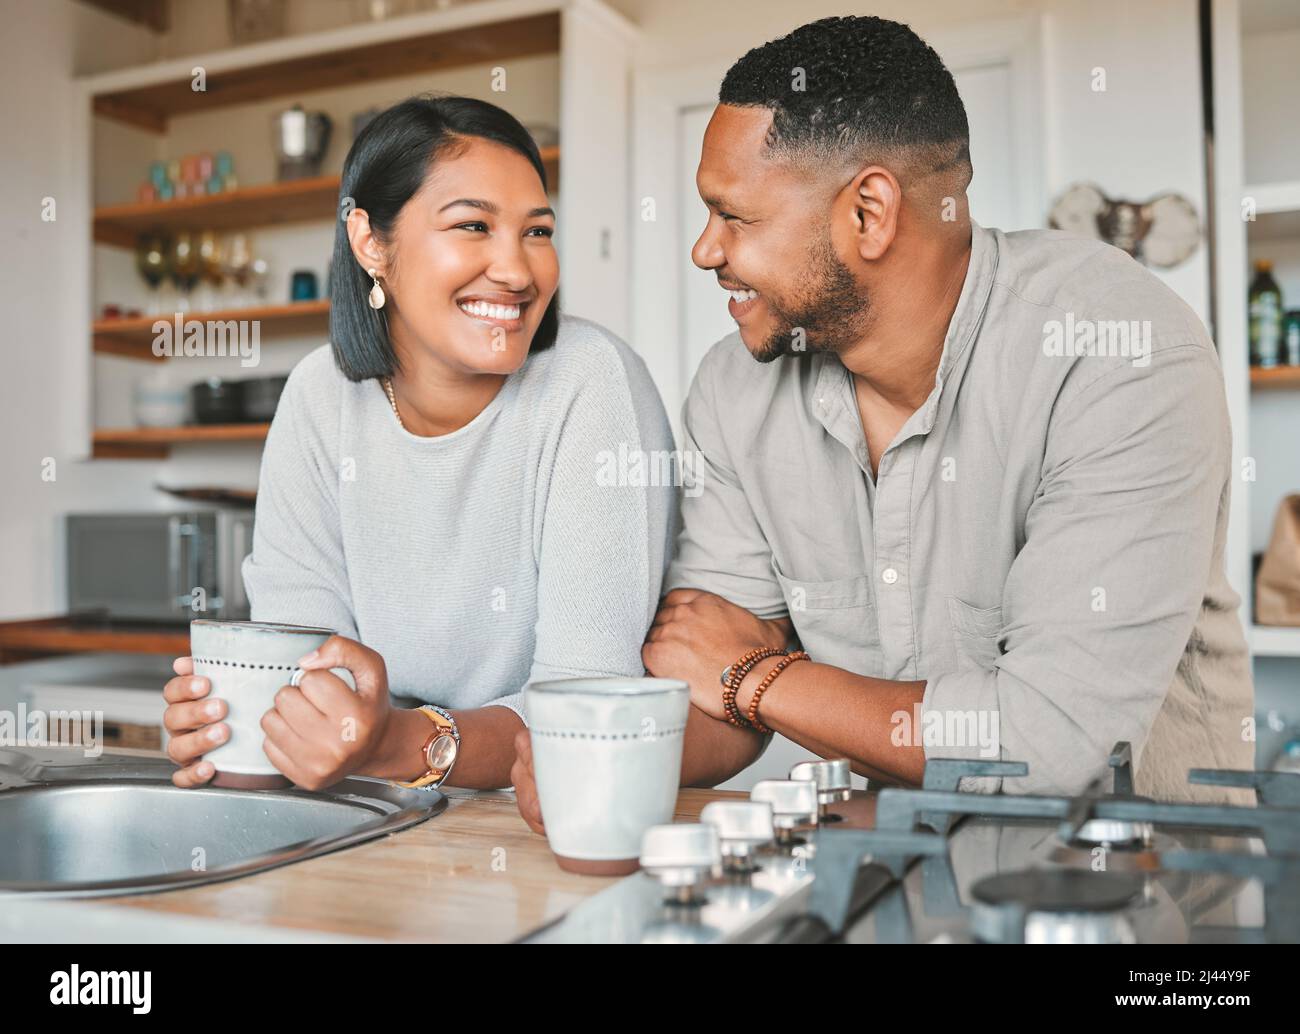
(1265, 308)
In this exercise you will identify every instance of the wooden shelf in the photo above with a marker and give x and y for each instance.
(294, 201)
(338, 58)
(1275, 377)
(44, 637)
(133, 338)
(144, 443)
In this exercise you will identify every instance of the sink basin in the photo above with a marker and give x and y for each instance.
(72, 826)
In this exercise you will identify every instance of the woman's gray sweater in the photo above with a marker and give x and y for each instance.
(529, 544)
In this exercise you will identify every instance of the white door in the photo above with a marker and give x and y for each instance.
(679, 311)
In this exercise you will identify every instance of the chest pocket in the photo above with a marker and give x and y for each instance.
(836, 620)
(977, 633)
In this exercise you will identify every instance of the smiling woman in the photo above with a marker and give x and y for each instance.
(430, 482)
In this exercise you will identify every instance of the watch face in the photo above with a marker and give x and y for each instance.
(442, 752)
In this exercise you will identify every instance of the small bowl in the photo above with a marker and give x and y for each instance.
(159, 405)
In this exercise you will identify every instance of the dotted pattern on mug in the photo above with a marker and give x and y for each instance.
(581, 734)
(240, 664)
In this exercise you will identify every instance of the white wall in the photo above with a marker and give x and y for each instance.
(44, 321)
(1141, 137)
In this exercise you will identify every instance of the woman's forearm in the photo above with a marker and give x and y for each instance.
(486, 747)
(714, 751)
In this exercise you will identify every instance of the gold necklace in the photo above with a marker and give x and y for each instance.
(392, 400)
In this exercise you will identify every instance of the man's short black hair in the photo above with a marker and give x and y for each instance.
(855, 87)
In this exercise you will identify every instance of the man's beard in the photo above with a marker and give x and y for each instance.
(832, 312)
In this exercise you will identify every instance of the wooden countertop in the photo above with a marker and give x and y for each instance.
(474, 873)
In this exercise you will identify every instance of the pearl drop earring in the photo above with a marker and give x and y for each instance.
(377, 298)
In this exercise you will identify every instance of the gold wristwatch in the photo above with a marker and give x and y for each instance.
(439, 750)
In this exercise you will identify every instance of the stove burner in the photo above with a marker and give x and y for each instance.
(1059, 890)
(1055, 906)
(1121, 834)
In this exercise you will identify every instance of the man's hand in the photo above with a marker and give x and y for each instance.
(697, 634)
(521, 774)
(321, 731)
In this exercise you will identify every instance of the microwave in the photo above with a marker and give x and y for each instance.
(169, 567)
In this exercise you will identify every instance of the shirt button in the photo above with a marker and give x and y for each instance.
(889, 575)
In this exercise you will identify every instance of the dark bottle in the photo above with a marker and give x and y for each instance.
(1291, 338)
(1265, 307)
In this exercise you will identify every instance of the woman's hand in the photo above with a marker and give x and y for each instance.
(321, 731)
(193, 723)
(521, 774)
(697, 634)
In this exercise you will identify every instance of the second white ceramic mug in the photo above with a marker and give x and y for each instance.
(607, 758)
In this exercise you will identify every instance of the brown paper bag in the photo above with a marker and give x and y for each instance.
(1277, 589)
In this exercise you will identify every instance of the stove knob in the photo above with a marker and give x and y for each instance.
(743, 827)
(832, 779)
(681, 857)
(794, 804)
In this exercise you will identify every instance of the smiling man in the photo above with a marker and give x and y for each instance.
(990, 542)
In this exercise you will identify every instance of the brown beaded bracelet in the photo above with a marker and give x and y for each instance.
(735, 675)
(768, 679)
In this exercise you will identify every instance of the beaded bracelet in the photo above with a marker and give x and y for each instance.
(768, 679)
(733, 676)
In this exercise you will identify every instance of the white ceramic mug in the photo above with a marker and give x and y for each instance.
(607, 758)
(247, 663)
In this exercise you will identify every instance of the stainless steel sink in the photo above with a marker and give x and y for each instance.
(72, 826)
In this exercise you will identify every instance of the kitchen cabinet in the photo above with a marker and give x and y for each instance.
(565, 63)
(1256, 215)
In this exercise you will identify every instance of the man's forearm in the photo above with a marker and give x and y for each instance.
(836, 713)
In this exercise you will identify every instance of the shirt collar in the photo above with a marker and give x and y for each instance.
(967, 316)
(833, 378)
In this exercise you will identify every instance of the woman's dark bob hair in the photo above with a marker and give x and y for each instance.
(387, 164)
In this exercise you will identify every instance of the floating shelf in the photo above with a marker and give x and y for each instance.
(294, 201)
(1275, 641)
(1275, 377)
(341, 57)
(149, 443)
(133, 338)
(41, 637)
(1274, 197)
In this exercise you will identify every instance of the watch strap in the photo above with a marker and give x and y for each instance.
(443, 725)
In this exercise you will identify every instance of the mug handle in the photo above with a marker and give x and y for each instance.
(296, 678)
